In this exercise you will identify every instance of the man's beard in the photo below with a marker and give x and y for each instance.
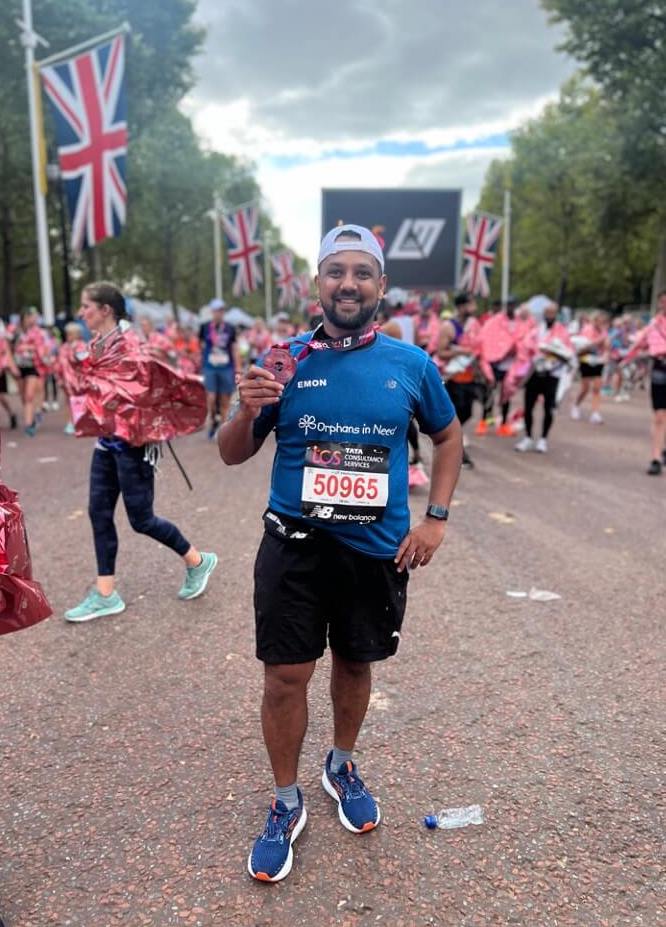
(357, 322)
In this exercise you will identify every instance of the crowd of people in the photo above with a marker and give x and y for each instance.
(502, 361)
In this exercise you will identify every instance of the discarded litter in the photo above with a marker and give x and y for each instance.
(450, 818)
(536, 595)
(542, 595)
(504, 518)
(48, 459)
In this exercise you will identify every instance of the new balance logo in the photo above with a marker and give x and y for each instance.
(416, 239)
(321, 511)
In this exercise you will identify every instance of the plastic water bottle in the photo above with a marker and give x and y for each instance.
(448, 818)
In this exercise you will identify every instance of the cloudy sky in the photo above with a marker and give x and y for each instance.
(364, 93)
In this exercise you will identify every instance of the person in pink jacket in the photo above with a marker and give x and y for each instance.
(31, 355)
(7, 364)
(652, 341)
(501, 363)
(550, 350)
(593, 354)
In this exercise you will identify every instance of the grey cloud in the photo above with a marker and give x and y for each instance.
(358, 69)
(458, 171)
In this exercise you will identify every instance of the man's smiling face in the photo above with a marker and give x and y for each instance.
(350, 286)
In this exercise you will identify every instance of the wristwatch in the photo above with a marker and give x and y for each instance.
(440, 512)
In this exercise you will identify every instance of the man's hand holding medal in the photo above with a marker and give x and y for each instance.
(263, 386)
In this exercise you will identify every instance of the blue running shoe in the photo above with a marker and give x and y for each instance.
(196, 578)
(96, 605)
(357, 809)
(272, 857)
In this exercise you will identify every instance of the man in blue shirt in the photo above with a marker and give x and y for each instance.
(220, 363)
(338, 545)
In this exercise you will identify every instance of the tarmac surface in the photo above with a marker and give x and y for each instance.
(134, 775)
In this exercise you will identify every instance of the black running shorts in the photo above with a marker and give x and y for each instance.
(658, 396)
(306, 590)
(590, 371)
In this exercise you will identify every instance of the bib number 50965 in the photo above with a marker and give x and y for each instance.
(334, 486)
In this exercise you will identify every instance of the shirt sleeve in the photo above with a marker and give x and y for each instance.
(434, 409)
(265, 422)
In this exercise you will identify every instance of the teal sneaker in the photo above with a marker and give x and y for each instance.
(196, 578)
(96, 605)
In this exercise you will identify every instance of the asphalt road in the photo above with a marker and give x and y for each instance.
(133, 769)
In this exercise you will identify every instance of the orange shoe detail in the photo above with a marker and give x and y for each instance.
(482, 428)
(505, 431)
(369, 825)
(263, 877)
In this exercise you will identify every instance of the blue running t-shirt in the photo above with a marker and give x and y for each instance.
(341, 427)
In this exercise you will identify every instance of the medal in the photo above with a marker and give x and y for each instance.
(281, 364)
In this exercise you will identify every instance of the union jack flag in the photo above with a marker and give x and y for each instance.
(302, 284)
(285, 278)
(90, 106)
(479, 253)
(244, 248)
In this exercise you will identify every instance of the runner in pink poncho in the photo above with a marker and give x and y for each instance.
(31, 354)
(7, 364)
(504, 362)
(652, 341)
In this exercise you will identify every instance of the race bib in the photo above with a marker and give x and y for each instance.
(218, 358)
(345, 482)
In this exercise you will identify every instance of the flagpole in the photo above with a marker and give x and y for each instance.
(506, 248)
(89, 43)
(268, 277)
(217, 244)
(29, 40)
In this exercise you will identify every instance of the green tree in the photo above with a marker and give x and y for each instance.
(622, 44)
(582, 229)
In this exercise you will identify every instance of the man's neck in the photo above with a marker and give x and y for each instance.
(332, 331)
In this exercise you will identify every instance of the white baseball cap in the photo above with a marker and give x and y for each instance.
(366, 241)
(216, 303)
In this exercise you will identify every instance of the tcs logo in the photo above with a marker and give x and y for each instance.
(325, 458)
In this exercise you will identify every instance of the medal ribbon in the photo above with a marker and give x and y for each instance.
(345, 343)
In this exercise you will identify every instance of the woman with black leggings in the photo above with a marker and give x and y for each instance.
(119, 469)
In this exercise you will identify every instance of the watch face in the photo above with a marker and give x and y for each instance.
(438, 511)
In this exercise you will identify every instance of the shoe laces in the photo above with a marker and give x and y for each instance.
(351, 782)
(277, 823)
